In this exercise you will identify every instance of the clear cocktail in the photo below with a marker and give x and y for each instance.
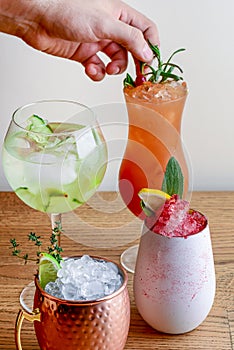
(51, 173)
(54, 156)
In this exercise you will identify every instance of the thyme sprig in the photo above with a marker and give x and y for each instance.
(54, 249)
(160, 74)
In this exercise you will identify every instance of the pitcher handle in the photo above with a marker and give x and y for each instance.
(34, 316)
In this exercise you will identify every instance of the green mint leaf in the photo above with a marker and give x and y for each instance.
(173, 182)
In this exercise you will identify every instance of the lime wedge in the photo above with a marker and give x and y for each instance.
(48, 268)
(152, 200)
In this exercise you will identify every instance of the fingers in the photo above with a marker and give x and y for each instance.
(141, 22)
(132, 30)
(94, 71)
(132, 39)
(118, 56)
(95, 68)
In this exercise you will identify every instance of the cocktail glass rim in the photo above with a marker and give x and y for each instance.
(54, 134)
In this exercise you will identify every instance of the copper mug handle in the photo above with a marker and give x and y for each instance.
(34, 316)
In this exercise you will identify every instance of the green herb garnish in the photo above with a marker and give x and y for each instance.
(54, 249)
(128, 81)
(173, 182)
(160, 74)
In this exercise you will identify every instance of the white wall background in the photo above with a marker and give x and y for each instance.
(204, 27)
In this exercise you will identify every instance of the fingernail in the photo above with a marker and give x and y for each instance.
(93, 70)
(116, 70)
(147, 52)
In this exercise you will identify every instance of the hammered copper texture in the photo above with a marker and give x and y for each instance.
(100, 325)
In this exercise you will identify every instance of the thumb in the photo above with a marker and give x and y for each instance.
(132, 39)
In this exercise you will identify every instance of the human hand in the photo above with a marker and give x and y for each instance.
(80, 30)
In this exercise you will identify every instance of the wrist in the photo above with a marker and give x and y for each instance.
(17, 17)
(12, 17)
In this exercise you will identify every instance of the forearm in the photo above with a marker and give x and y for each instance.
(17, 17)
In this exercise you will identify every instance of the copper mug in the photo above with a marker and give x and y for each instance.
(84, 325)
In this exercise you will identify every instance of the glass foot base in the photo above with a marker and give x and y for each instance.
(27, 297)
(128, 258)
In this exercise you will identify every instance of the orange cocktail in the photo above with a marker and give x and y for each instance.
(154, 111)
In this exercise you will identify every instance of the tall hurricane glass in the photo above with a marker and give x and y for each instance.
(154, 138)
(54, 156)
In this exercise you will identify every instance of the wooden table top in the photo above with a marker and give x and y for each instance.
(104, 227)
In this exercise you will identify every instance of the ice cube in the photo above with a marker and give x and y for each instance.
(93, 289)
(54, 289)
(86, 278)
(85, 143)
(69, 291)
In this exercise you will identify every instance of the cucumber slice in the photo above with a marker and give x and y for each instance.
(64, 127)
(29, 198)
(38, 124)
(38, 130)
(60, 202)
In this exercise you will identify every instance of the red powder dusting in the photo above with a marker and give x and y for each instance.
(176, 220)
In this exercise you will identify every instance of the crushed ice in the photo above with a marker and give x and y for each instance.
(176, 220)
(85, 278)
(159, 92)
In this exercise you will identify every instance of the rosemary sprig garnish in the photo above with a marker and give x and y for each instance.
(163, 72)
(54, 249)
(128, 81)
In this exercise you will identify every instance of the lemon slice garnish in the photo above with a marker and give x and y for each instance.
(152, 200)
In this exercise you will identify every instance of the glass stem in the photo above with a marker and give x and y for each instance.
(56, 223)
